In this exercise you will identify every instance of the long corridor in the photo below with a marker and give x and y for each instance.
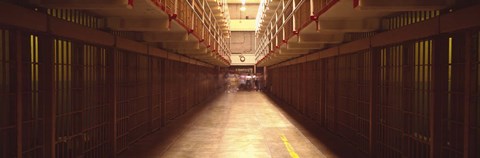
(243, 124)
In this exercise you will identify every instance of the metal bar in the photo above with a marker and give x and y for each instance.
(149, 92)
(439, 78)
(112, 73)
(467, 92)
(51, 100)
(163, 93)
(312, 8)
(301, 88)
(373, 109)
(19, 44)
(323, 91)
(176, 8)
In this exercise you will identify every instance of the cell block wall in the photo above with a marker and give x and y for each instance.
(474, 100)
(412, 98)
(64, 97)
(80, 73)
(8, 124)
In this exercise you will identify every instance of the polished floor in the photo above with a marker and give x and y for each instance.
(240, 125)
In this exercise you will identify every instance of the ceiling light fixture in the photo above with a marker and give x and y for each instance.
(243, 8)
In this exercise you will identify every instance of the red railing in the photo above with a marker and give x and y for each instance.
(294, 15)
(197, 20)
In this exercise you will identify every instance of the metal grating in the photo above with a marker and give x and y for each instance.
(172, 90)
(364, 82)
(453, 103)
(418, 91)
(407, 18)
(358, 35)
(33, 98)
(189, 78)
(390, 101)
(181, 78)
(474, 128)
(415, 98)
(346, 95)
(95, 109)
(77, 16)
(57, 94)
(330, 82)
(8, 121)
(404, 102)
(302, 14)
(353, 99)
(311, 93)
(319, 82)
(81, 97)
(157, 88)
(293, 89)
(133, 98)
(69, 111)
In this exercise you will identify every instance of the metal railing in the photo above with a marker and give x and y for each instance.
(289, 17)
(199, 19)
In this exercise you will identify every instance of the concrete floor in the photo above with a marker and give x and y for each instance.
(241, 125)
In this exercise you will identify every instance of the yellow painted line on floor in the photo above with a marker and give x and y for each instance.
(289, 147)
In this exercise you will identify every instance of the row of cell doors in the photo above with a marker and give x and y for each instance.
(60, 107)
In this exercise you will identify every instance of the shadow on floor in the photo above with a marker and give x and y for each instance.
(330, 144)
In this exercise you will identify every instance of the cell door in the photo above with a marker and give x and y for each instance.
(81, 99)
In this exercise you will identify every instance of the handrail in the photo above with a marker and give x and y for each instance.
(276, 9)
(206, 18)
(270, 32)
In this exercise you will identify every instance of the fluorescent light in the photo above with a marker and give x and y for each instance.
(243, 8)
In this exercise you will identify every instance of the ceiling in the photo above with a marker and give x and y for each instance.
(246, 1)
(250, 11)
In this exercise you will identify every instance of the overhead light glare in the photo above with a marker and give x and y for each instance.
(243, 8)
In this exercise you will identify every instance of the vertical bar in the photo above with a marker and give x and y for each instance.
(150, 91)
(176, 8)
(51, 101)
(439, 79)
(467, 92)
(112, 72)
(335, 93)
(19, 43)
(373, 113)
(323, 91)
(163, 104)
(312, 9)
(293, 17)
(194, 15)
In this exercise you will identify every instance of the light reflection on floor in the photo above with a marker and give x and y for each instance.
(242, 125)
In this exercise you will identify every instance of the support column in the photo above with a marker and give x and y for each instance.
(48, 72)
(469, 56)
(439, 86)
